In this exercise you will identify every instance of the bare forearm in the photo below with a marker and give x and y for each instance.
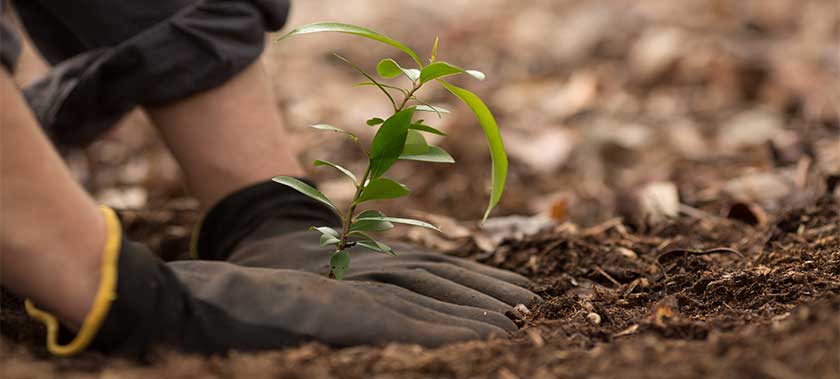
(228, 137)
(51, 232)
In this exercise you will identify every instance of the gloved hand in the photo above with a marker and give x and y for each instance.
(224, 306)
(268, 289)
(271, 218)
(435, 275)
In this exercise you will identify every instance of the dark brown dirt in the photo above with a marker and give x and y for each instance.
(619, 303)
(638, 92)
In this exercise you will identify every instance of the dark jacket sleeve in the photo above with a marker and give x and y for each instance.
(9, 42)
(163, 51)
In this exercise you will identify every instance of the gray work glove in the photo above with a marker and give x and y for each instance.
(261, 283)
(215, 306)
(445, 278)
(266, 225)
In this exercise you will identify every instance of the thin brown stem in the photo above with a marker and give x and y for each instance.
(348, 216)
(409, 95)
(369, 77)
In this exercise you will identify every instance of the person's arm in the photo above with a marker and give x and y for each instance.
(229, 137)
(52, 234)
(193, 66)
(121, 297)
(70, 260)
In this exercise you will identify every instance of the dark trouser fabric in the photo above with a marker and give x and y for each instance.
(110, 56)
(9, 43)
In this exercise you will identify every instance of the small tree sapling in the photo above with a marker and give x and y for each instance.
(399, 137)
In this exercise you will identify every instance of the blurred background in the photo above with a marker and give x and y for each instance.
(638, 110)
(608, 108)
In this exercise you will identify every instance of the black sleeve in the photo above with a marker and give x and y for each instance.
(9, 42)
(110, 56)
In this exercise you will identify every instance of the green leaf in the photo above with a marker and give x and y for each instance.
(494, 138)
(435, 155)
(336, 130)
(369, 213)
(371, 243)
(375, 121)
(339, 263)
(441, 69)
(382, 188)
(343, 170)
(351, 29)
(325, 230)
(427, 129)
(429, 108)
(389, 69)
(307, 190)
(371, 226)
(377, 246)
(437, 70)
(388, 143)
(415, 144)
(329, 240)
(329, 236)
(405, 221)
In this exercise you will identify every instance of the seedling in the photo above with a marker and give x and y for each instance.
(399, 137)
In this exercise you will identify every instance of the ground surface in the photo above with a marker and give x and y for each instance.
(609, 109)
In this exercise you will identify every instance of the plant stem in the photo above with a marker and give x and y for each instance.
(365, 74)
(409, 95)
(348, 216)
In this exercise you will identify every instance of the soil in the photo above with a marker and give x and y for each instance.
(667, 303)
(740, 280)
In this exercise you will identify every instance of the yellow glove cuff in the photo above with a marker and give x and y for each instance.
(106, 294)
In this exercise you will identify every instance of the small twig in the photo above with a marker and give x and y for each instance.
(764, 240)
(661, 269)
(552, 246)
(801, 173)
(696, 213)
(626, 332)
(820, 230)
(716, 250)
(822, 241)
(602, 227)
(700, 252)
(607, 275)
